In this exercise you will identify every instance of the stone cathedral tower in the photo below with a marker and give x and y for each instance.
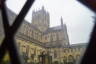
(40, 19)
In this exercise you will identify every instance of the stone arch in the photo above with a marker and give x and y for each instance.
(71, 59)
(64, 60)
(78, 56)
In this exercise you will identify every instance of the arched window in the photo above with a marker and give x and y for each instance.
(71, 59)
(77, 57)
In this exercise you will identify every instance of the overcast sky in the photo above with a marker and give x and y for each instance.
(77, 17)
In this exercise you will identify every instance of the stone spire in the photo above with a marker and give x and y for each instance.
(61, 22)
(43, 8)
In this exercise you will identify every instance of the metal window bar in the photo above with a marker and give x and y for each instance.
(91, 4)
(90, 53)
(10, 32)
(89, 56)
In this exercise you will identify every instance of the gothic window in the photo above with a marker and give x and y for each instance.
(32, 33)
(77, 57)
(24, 29)
(32, 56)
(64, 50)
(32, 51)
(71, 58)
(64, 59)
(36, 35)
(60, 36)
(23, 48)
(55, 54)
(46, 37)
(51, 37)
(71, 50)
(54, 36)
(39, 36)
(28, 30)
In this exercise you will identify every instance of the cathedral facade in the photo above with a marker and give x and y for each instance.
(42, 44)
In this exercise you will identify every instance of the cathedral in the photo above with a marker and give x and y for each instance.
(41, 44)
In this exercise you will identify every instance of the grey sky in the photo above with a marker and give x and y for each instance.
(78, 18)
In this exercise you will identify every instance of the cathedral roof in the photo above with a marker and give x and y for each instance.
(52, 29)
(78, 45)
(56, 28)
